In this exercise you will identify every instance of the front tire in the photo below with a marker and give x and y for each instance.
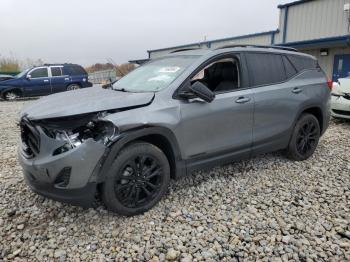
(10, 96)
(305, 138)
(137, 179)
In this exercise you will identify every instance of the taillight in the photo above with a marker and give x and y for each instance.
(330, 84)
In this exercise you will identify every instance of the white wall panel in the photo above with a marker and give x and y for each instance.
(316, 19)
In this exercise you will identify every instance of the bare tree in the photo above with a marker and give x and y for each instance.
(124, 69)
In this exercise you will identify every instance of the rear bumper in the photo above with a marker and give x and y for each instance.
(87, 84)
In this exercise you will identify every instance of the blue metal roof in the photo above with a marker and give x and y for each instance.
(345, 39)
(294, 3)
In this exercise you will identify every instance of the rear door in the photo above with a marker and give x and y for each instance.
(59, 80)
(276, 100)
(37, 82)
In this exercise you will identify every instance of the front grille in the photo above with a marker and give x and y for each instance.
(341, 112)
(30, 137)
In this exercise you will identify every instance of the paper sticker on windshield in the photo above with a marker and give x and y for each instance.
(169, 69)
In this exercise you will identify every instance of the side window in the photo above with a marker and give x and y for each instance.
(220, 76)
(290, 69)
(56, 71)
(302, 63)
(75, 70)
(265, 69)
(39, 72)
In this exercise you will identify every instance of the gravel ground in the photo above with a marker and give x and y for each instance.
(267, 208)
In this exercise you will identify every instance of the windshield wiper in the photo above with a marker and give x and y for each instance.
(120, 89)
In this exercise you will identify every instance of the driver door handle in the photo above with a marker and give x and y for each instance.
(46, 80)
(297, 90)
(242, 100)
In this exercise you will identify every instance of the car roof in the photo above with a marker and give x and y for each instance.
(222, 50)
(63, 64)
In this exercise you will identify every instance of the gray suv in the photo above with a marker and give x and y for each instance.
(186, 111)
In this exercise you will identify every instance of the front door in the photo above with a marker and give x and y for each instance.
(224, 126)
(37, 82)
(341, 67)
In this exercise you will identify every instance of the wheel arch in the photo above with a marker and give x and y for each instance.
(74, 83)
(317, 112)
(161, 137)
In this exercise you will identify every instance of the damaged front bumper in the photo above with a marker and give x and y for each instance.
(340, 106)
(66, 177)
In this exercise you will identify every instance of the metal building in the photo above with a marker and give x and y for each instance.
(318, 27)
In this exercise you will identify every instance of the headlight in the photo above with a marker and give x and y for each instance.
(101, 131)
(72, 139)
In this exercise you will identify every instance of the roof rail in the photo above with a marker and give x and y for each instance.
(261, 46)
(185, 49)
(49, 64)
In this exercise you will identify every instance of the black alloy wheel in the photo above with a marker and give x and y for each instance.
(137, 179)
(305, 137)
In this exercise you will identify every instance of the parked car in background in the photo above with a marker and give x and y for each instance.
(45, 80)
(6, 77)
(340, 104)
(185, 111)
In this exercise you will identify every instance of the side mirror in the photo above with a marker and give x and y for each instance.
(202, 91)
(29, 77)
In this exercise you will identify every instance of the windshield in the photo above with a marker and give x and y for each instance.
(22, 73)
(155, 75)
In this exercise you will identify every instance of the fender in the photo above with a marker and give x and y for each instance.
(312, 106)
(100, 172)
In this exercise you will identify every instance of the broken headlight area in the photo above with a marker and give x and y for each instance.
(74, 131)
(344, 95)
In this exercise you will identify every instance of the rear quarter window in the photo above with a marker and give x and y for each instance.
(75, 70)
(301, 63)
(265, 69)
(290, 69)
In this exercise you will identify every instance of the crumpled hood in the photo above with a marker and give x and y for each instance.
(83, 101)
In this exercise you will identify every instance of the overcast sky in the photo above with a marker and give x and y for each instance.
(90, 31)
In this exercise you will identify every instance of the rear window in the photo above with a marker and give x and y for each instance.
(301, 63)
(75, 70)
(265, 69)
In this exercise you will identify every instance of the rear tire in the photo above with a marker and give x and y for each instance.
(137, 179)
(305, 137)
(73, 87)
